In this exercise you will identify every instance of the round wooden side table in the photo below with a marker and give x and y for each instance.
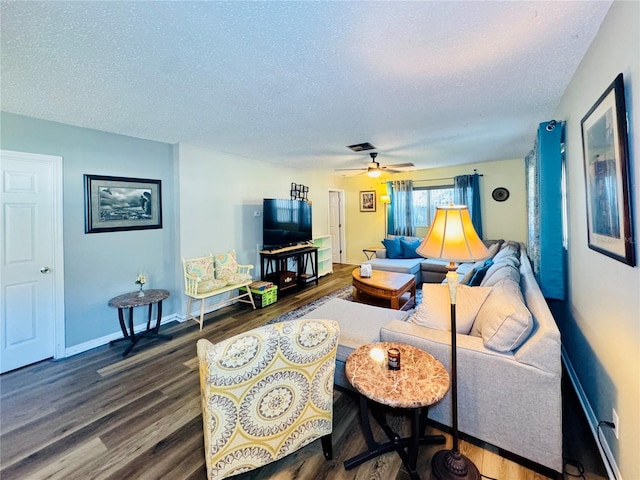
(420, 382)
(131, 300)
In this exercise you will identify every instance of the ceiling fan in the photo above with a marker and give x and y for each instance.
(374, 169)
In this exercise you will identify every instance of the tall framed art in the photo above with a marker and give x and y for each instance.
(607, 180)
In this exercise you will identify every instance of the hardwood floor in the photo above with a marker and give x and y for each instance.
(100, 416)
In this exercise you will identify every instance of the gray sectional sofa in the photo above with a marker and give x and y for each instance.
(426, 270)
(509, 372)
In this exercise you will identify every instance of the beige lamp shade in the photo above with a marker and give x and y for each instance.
(452, 237)
(385, 199)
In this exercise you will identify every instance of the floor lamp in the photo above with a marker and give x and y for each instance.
(385, 200)
(453, 238)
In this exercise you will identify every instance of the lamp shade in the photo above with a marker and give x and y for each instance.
(452, 237)
(385, 199)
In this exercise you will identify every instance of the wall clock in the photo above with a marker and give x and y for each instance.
(500, 194)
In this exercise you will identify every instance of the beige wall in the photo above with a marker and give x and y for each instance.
(506, 220)
(601, 333)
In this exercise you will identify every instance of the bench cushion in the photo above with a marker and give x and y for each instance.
(208, 284)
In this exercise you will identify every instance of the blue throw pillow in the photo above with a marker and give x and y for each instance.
(394, 250)
(409, 248)
(479, 274)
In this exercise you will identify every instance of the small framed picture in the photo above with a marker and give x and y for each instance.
(118, 203)
(606, 171)
(368, 201)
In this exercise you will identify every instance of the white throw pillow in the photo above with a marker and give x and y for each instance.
(504, 321)
(435, 311)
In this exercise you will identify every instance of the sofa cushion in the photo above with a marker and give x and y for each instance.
(359, 323)
(398, 265)
(503, 322)
(434, 265)
(507, 254)
(435, 309)
(504, 271)
(394, 249)
(494, 247)
(409, 248)
(513, 247)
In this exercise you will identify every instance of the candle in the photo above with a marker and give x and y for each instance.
(377, 355)
(394, 359)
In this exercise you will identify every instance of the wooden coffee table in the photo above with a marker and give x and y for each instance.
(385, 286)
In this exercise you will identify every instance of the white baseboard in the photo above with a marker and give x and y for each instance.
(98, 342)
(603, 446)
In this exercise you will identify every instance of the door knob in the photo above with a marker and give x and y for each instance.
(45, 270)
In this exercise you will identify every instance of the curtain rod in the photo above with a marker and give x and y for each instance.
(437, 179)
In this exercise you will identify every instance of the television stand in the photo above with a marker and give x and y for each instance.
(285, 249)
(290, 268)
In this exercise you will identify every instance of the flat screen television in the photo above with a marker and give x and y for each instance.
(285, 222)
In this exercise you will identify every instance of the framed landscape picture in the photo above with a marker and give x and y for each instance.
(119, 203)
(368, 201)
(606, 170)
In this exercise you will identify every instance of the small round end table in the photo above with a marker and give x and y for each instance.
(131, 300)
(421, 381)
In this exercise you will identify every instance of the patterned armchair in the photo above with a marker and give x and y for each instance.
(267, 393)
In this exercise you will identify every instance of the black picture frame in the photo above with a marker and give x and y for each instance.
(115, 204)
(606, 173)
(368, 201)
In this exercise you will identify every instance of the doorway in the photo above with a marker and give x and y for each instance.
(336, 226)
(31, 259)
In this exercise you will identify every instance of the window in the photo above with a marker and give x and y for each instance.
(426, 199)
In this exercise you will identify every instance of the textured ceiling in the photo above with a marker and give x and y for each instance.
(434, 82)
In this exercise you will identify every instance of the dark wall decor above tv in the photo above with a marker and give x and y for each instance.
(299, 192)
(285, 222)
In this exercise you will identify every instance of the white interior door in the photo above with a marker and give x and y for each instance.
(31, 259)
(336, 229)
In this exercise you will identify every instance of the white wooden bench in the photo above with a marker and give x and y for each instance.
(214, 275)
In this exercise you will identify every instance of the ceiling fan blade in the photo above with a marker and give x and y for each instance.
(348, 169)
(388, 170)
(401, 165)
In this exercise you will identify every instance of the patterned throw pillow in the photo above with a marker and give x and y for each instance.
(226, 265)
(199, 267)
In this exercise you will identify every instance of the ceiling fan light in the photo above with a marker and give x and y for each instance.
(374, 172)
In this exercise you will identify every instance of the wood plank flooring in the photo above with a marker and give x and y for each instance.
(100, 416)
